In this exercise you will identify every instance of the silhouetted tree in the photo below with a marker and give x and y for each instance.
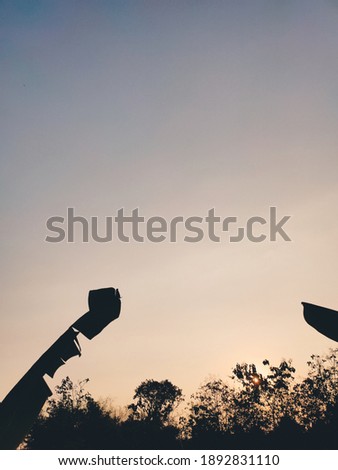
(155, 401)
(258, 410)
(277, 393)
(210, 409)
(248, 403)
(263, 400)
(148, 426)
(73, 420)
(317, 394)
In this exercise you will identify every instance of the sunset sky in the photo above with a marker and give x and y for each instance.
(173, 107)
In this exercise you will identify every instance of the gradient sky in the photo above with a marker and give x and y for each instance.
(173, 107)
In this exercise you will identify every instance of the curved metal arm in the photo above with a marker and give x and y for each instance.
(23, 403)
(324, 320)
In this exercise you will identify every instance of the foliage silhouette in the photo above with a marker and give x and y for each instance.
(73, 420)
(210, 409)
(257, 410)
(155, 401)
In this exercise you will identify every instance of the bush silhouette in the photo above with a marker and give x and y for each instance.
(255, 410)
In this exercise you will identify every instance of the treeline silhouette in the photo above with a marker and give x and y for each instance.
(251, 411)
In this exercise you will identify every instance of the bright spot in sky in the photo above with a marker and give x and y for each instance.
(255, 380)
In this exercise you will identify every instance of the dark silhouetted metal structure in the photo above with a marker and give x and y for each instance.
(324, 320)
(23, 403)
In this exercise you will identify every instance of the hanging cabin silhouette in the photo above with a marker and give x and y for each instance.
(23, 403)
